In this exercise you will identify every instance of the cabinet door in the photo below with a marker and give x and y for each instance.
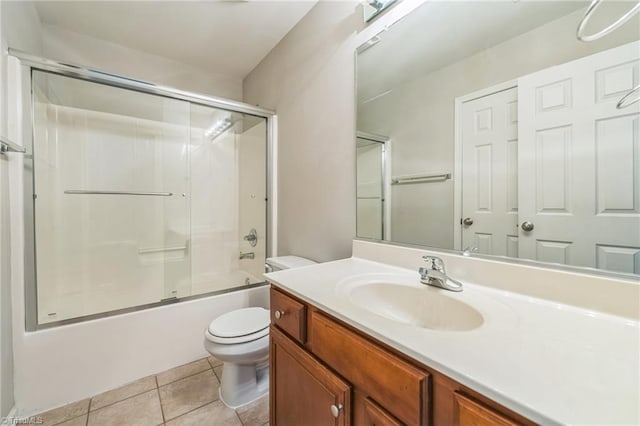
(303, 391)
(374, 415)
(401, 388)
(471, 413)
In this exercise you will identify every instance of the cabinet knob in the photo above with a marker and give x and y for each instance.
(336, 409)
(279, 314)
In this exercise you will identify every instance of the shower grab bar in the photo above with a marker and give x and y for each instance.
(439, 177)
(83, 192)
(589, 13)
(622, 103)
(7, 146)
(160, 249)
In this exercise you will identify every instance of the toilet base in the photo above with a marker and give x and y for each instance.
(242, 384)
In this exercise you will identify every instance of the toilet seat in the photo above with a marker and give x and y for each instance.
(239, 326)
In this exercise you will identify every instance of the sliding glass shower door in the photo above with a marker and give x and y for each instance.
(140, 198)
(228, 199)
(111, 213)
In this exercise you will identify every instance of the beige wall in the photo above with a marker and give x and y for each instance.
(64, 45)
(20, 28)
(308, 78)
(418, 117)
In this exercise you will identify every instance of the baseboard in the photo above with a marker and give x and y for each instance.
(12, 414)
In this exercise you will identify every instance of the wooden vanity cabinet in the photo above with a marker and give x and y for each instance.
(325, 372)
(303, 390)
(375, 415)
(470, 412)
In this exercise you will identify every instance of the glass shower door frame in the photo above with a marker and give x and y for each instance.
(26, 65)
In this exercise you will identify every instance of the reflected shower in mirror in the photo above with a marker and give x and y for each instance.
(504, 134)
(370, 157)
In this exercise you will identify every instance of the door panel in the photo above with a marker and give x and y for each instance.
(579, 162)
(490, 173)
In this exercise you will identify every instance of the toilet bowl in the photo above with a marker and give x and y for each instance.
(240, 339)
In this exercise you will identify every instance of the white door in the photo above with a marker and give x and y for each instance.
(579, 162)
(490, 174)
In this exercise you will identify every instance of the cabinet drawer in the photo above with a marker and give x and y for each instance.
(401, 387)
(289, 315)
(375, 415)
(468, 412)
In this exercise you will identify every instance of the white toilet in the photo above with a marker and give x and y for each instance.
(240, 339)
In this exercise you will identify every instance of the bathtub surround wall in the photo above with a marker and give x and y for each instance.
(98, 254)
(252, 193)
(19, 27)
(309, 79)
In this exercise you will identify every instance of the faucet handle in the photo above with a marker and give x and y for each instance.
(435, 263)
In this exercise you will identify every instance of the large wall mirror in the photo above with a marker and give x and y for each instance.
(490, 127)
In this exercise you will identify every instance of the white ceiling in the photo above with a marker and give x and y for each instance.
(440, 33)
(226, 37)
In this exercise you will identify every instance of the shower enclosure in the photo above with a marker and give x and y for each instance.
(136, 195)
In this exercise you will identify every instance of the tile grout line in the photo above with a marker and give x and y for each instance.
(155, 376)
(160, 401)
(238, 416)
(190, 375)
(148, 390)
(123, 399)
(63, 421)
(182, 378)
(194, 409)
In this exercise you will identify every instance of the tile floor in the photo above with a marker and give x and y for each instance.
(183, 396)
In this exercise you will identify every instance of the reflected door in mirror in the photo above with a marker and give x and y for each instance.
(489, 173)
(580, 162)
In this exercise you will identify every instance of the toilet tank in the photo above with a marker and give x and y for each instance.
(287, 262)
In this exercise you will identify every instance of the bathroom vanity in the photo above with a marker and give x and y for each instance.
(362, 342)
(325, 372)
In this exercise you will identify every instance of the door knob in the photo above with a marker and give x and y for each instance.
(467, 221)
(336, 409)
(279, 314)
(527, 226)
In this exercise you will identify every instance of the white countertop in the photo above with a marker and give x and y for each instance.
(552, 363)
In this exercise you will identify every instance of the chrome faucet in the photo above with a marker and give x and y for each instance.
(435, 275)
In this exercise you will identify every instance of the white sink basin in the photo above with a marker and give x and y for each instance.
(417, 305)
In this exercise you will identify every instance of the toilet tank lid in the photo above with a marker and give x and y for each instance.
(288, 262)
